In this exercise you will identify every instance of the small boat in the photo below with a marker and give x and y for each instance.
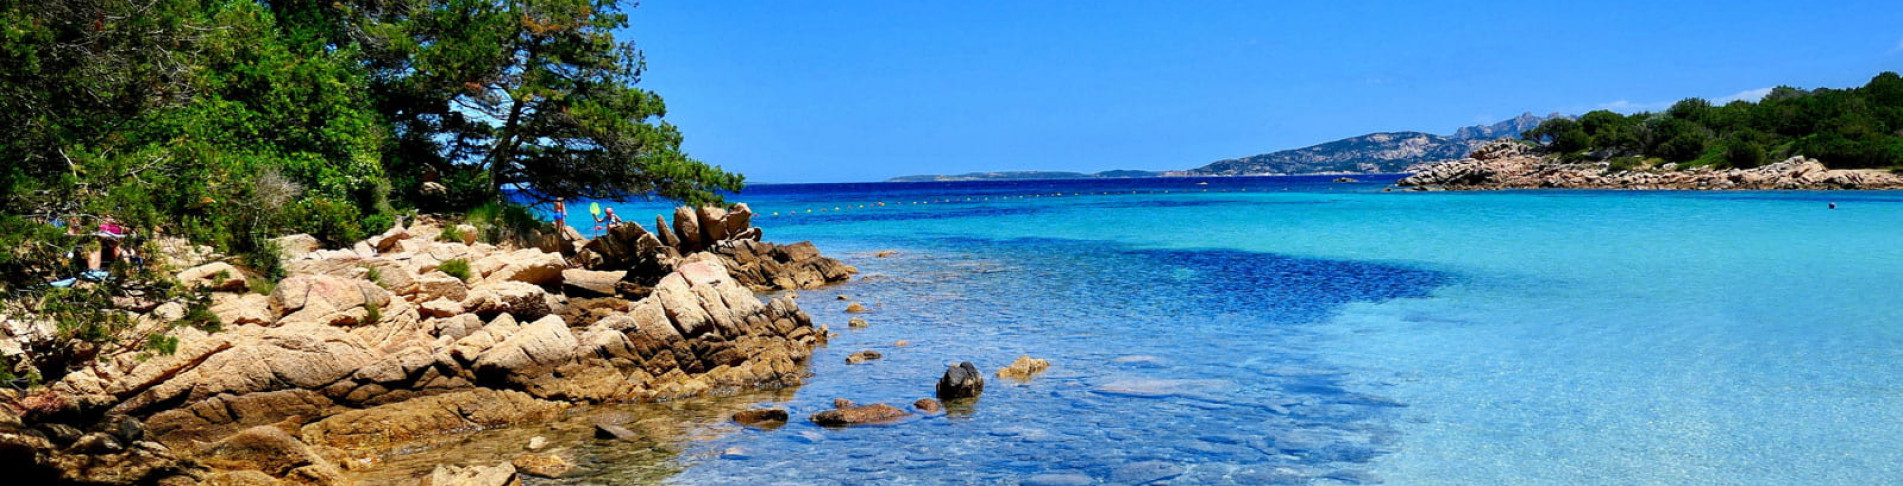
(1202, 183)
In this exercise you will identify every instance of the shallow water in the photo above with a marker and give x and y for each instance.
(1294, 331)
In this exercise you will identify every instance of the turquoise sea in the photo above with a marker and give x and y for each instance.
(1289, 330)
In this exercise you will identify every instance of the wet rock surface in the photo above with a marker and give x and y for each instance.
(960, 382)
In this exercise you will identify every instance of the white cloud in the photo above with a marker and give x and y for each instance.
(1752, 95)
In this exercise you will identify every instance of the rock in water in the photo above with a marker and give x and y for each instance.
(961, 382)
(615, 432)
(497, 475)
(857, 323)
(1024, 368)
(863, 414)
(542, 465)
(863, 356)
(760, 415)
(842, 403)
(927, 405)
(855, 308)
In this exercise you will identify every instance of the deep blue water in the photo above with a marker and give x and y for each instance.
(1288, 330)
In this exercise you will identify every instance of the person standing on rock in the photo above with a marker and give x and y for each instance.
(561, 215)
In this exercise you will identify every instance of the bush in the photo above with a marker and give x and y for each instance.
(458, 268)
(337, 223)
(499, 222)
(451, 233)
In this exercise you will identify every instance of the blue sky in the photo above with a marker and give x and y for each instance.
(840, 91)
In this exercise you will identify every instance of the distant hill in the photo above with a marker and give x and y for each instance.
(1384, 152)
(1025, 175)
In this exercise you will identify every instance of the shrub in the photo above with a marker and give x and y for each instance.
(499, 222)
(374, 313)
(162, 344)
(336, 223)
(373, 274)
(458, 268)
(451, 233)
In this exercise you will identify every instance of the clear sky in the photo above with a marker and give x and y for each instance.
(839, 91)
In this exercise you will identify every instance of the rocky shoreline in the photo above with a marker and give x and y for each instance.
(405, 338)
(1507, 164)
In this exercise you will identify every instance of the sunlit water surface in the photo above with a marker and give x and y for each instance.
(1296, 331)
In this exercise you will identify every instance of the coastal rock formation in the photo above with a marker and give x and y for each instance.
(727, 234)
(375, 346)
(760, 415)
(1510, 165)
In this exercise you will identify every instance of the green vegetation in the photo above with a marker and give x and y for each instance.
(458, 268)
(1858, 128)
(230, 122)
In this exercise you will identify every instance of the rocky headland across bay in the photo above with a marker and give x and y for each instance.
(411, 336)
(1508, 164)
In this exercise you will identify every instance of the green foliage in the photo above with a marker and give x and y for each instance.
(163, 344)
(458, 268)
(451, 233)
(1844, 128)
(498, 222)
(373, 313)
(230, 122)
(336, 223)
(373, 274)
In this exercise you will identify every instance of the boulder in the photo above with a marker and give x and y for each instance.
(687, 226)
(217, 276)
(856, 308)
(760, 415)
(439, 285)
(498, 475)
(326, 300)
(529, 266)
(468, 232)
(607, 431)
(441, 308)
(927, 405)
(297, 246)
(538, 346)
(843, 403)
(428, 417)
(578, 282)
(667, 236)
(863, 356)
(961, 382)
(713, 225)
(857, 323)
(1024, 368)
(387, 241)
(738, 221)
(242, 309)
(859, 415)
(542, 465)
(272, 451)
(522, 300)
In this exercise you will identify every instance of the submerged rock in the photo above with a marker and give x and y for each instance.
(1024, 368)
(606, 431)
(498, 475)
(859, 415)
(927, 405)
(961, 382)
(863, 356)
(542, 465)
(760, 415)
